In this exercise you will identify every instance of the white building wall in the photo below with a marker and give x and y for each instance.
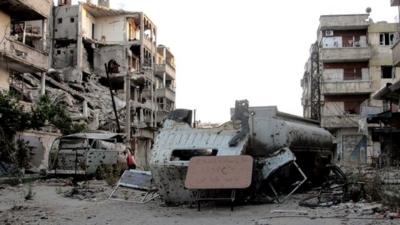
(112, 28)
(87, 21)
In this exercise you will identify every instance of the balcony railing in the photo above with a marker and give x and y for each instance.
(347, 87)
(25, 58)
(165, 68)
(340, 121)
(166, 93)
(345, 54)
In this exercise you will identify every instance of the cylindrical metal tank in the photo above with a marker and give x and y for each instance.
(271, 130)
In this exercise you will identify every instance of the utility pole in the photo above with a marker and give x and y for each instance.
(128, 108)
(315, 84)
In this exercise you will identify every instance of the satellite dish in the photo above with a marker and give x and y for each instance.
(368, 10)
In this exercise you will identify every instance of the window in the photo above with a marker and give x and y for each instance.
(72, 19)
(352, 74)
(58, 52)
(59, 20)
(387, 72)
(386, 39)
(352, 107)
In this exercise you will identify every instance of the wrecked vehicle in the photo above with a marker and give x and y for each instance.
(85, 153)
(275, 140)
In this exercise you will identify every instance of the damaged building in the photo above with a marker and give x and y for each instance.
(90, 39)
(102, 63)
(25, 53)
(351, 59)
(24, 45)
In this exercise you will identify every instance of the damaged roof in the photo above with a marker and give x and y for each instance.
(100, 11)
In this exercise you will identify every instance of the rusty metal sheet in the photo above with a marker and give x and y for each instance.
(219, 172)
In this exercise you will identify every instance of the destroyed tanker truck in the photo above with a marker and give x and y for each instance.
(287, 150)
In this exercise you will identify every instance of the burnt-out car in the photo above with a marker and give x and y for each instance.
(85, 153)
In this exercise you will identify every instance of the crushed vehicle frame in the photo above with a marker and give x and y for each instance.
(85, 153)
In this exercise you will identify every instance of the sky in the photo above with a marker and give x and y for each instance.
(226, 50)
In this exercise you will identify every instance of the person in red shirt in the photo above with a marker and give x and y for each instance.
(130, 160)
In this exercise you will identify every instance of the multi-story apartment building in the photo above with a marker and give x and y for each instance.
(88, 38)
(396, 46)
(354, 58)
(165, 82)
(24, 38)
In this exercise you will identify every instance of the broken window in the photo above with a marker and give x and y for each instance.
(187, 154)
(59, 20)
(386, 39)
(352, 107)
(387, 72)
(72, 19)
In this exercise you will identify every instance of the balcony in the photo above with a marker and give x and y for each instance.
(22, 58)
(27, 9)
(396, 53)
(340, 121)
(351, 54)
(347, 87)
(166, 93)
(166, 68)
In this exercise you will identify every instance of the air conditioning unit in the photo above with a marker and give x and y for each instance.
(329, 33)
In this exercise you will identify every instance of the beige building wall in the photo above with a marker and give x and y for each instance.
(41, 143)
(4, 80)
(5, 21)
(380, 56)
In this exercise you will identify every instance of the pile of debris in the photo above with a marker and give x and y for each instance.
(88, 190)
(89, 101)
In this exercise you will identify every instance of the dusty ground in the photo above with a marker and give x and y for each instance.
(54, 203)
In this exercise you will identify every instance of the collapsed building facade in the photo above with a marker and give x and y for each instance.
(351, 59)
(65, 50)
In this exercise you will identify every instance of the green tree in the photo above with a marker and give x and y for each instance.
(14, 119)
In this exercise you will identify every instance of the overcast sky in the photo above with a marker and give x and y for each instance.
(236, 49)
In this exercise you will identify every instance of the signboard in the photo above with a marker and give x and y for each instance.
(219, 172)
